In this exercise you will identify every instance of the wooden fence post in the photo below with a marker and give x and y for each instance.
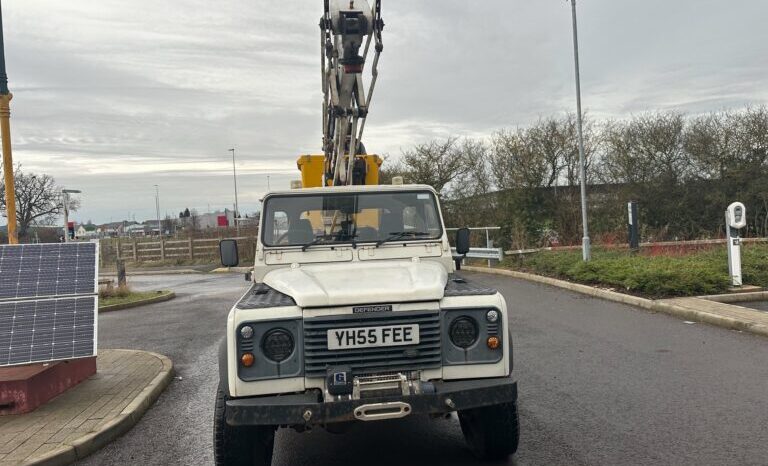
(162, 249)
(191, 249)
(135, 251)
(120, 273)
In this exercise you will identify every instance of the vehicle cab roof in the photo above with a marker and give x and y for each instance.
(384, 188)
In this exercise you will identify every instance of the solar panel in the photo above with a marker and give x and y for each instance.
(48, 302)
(47, 330)
(45, 270)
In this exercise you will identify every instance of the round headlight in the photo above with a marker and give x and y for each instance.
(463, 332)
(277, 345)
(246, 332)
(492, 316)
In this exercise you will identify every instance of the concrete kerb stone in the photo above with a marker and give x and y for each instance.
(166, 296)
(648, 304)
(738, 297)
(232, 270)
(134, 273)
(59, 457)
(109, 431)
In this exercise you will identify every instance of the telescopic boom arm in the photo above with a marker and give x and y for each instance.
(345, 26)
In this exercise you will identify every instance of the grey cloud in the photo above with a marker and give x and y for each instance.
(116, 96)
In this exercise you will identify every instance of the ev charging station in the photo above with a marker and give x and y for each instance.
(633, 227)
(735, 220)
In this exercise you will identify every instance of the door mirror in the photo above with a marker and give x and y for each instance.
(462, 241)
(228, 253)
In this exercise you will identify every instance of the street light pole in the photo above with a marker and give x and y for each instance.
(66, 217)
(237, 206)
(5, 133)
(585, 242)
(66, 193)
(157, 207)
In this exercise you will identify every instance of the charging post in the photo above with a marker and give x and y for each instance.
(735, 220)
(633, 227)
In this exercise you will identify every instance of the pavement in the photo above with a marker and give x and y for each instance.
(600, 383)
(742, 316)
(89, 415)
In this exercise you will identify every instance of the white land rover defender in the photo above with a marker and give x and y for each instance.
(356, 314)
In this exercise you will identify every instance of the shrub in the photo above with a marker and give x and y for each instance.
(110, 291)
(676, 274)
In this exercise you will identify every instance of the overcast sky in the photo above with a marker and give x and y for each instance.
(114, 96)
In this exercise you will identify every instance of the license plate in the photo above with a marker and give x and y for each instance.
(372, 337)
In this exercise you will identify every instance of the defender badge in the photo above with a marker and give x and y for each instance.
(367, 309)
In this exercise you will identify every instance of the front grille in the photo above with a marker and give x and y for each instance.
(425, 355)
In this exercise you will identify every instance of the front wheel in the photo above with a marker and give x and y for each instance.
(493, 432)
(240, 445)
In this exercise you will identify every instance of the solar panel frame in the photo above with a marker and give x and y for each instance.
(36, 325)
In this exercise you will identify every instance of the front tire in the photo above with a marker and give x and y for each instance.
(240, 446)
(493, 432)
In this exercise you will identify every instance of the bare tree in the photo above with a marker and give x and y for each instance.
(436, 163)
(516, 162)
(470, 202)
(168, 224)
(391, 168)
(38, 200)
(647, 148)
(193, 222)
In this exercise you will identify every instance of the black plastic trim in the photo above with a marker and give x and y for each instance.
(293, 409)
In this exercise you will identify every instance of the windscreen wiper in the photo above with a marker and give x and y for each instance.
(321, 240)
(316, 241)
(399, 235)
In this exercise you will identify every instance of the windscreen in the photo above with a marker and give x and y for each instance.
(297, 220)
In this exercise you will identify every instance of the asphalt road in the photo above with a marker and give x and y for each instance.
(600, 383)
(759, 305)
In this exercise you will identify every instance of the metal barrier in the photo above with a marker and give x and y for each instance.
(488, 252)
(496, 254)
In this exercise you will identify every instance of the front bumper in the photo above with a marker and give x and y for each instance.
(306, 409)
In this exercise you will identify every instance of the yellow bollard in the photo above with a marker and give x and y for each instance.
(10, 194)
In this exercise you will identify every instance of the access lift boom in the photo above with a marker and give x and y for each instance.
(347, 26)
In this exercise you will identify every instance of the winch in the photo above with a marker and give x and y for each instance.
(341, 384)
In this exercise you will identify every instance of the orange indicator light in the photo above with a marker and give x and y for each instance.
(247, 359)
(493, 342)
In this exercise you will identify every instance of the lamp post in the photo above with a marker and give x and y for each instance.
(66, 193)
(157, 209)
(237, 206)
(585, 242)
(5, 133)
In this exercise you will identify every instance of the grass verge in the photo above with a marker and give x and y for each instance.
(655, 276)
(124, 295)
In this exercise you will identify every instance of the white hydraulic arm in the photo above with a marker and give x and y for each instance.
(345, 25)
